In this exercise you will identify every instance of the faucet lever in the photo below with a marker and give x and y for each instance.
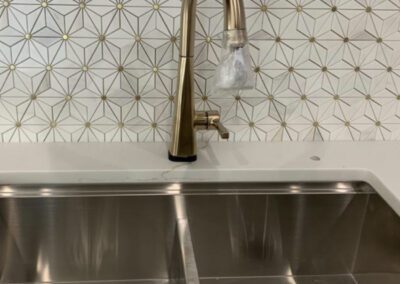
(222, 130)
(206, 120)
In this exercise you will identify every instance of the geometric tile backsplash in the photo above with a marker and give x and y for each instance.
(106, 70)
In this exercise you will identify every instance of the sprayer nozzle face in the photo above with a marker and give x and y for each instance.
(234, 71)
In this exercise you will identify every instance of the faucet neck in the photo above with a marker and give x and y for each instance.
(188, 27)
(234, 19)
(234, 13)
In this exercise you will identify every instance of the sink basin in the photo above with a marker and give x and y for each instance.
(198, 233)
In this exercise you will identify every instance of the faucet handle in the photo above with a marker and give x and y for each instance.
(211, 120)
(222, 130)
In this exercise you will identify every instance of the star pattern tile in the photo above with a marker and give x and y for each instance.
(106, 70)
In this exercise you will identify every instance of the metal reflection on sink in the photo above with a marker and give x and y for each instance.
(198, 233)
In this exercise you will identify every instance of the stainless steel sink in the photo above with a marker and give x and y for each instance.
(198, 233)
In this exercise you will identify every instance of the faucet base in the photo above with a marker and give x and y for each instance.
(182, 159)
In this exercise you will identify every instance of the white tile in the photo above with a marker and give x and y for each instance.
(327, 70)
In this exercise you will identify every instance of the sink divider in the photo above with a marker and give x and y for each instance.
(186, 251)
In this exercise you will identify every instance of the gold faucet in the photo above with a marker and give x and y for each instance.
(187, 120)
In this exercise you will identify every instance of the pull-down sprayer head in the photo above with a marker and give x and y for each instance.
(234, 71)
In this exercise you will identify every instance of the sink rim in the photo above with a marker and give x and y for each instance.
(174, 188)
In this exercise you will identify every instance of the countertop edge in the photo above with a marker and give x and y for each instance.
(375, 163)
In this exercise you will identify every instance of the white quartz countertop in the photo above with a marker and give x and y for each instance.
(377, 163)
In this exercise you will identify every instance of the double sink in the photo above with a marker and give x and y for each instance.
(198, 233)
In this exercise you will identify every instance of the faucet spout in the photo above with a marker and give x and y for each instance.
(186, 120)
(235, 17)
